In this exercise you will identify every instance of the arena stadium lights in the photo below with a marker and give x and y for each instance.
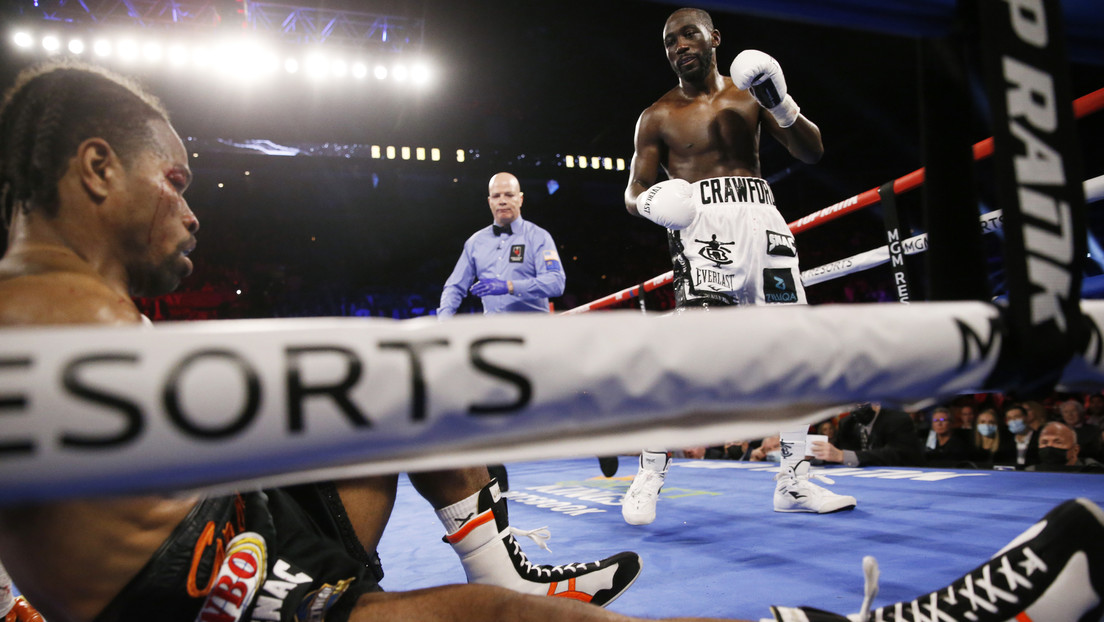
(242, 59)
(595, 162)
(51, 44)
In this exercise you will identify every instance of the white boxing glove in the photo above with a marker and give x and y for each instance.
(762, 75)
(669, 204)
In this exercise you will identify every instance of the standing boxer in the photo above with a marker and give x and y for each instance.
(729, 245)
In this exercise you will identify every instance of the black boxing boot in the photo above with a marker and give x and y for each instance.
(1052, 572)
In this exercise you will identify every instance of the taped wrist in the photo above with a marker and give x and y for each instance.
(786, 112)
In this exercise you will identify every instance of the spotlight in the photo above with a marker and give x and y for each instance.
(201, 57)
(376, 154)
(607, 163)
(435, 154)
(620, 164)
(51, 44)
(128, 49)
(152, 52)
(420, 73)
(390, 152)
(359, 70)
(317, 66)
(405, 153)
(380, 72)
(419, 153)
(291, 65)
(102, 48)
(569, 161)
(594, 162)
(178, 56)
(400, 73)
(22, 39)
(459, 155)
(76, 46)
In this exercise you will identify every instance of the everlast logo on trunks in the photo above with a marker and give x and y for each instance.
(780, 245)
(735, 190)
(517, 253)
(778, 285)
(704, 278)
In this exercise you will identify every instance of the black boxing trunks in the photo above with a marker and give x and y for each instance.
(739, 249)
(284, 555)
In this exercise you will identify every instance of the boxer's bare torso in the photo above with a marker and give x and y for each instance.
(70, 558)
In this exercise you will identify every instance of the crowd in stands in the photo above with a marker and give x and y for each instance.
(1064, 432)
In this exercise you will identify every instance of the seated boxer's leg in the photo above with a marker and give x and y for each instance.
(477, 526)
(481, 603)
(368, 502)
(1052, 571)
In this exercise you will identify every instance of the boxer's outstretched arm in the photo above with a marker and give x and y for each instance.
(478, 603)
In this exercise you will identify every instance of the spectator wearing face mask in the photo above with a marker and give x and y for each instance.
(770, 450)
(872, 436)
(1024, 438)
(993, 442)
(1059, 451)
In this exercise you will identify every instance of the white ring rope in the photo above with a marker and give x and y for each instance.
(92, 411)
(990, 223)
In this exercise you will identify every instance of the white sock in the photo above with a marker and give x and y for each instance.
(654, 460)
(454, 516)
(793, 447)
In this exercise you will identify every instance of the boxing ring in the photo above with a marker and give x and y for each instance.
(219, 406)
(717, 548)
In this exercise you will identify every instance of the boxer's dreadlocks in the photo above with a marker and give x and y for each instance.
(49, 111)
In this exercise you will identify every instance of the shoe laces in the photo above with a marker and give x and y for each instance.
(792, 475)
(870, 586)
(646, 485)
(985, 590)
(540, 535)
(541, 570)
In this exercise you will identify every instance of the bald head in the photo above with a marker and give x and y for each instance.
(698, 16)
(1060, 436)
(504, 196)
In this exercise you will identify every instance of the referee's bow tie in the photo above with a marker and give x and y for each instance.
(503, 229)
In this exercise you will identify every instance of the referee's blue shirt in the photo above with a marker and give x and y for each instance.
(527, 257)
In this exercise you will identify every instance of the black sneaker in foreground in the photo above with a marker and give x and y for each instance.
(1053, 572)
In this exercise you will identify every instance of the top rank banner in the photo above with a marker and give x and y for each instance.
(1038, 186)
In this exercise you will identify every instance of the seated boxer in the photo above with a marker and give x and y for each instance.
(729, 244)
(92, 182)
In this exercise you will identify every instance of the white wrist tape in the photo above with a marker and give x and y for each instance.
(786, 112)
